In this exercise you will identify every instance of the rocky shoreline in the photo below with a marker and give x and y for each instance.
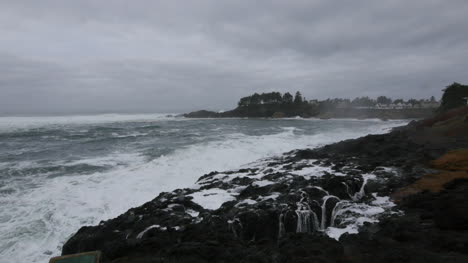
(274, 111)
(397, 197)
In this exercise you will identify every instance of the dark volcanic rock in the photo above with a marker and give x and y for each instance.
(202, 114)
(294, 208)
(433, 229)
(260, 211)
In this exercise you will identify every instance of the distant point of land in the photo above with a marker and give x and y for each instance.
(277, 105)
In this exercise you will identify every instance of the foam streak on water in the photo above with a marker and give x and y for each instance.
(60, 173)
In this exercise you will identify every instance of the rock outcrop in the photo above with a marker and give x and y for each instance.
(285, 111)
(339, 203)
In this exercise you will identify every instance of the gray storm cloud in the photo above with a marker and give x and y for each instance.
(172, 56)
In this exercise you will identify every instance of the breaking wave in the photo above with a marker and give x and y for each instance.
(95, 168)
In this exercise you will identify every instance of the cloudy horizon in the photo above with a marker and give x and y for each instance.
(88, 56)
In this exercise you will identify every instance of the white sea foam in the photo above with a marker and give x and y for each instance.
(15, 123)
(140, 235)
(212, 198)
(192, 212)
(315, 171)
(262, 183)
(246, 202)
(114, 159)
(273, 196)
(35, 222)
(358, 214)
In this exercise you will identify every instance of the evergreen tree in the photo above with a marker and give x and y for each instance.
(454, 96)
(384, 100)
(413, 102)
(287, 98)
(298, 98)
(245, 101)
(277, 98)
(255, 99)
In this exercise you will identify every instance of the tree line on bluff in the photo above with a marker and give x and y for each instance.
(454, 96)
(287, 98)
(271, 98)
(275, 104)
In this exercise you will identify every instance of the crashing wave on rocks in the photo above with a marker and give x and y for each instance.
(265, 199)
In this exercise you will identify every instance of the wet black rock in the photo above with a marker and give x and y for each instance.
(433, 229)
(296, 207)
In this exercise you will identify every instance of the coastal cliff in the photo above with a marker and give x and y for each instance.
(397, 197)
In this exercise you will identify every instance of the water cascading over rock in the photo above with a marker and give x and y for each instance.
(330, 209)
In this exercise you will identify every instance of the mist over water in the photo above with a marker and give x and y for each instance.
(60, 173)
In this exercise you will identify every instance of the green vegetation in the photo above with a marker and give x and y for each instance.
(274, 104)
(270, 98)
(298, 98)
(277, 105)
(275, 98)
(455, 96)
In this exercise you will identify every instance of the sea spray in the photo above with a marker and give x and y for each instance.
(134, 156)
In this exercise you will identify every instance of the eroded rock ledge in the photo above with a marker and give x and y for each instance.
(330, 204)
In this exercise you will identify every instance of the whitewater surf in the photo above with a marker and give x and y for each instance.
(60, 173)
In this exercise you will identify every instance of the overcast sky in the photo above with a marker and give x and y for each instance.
(83, 56)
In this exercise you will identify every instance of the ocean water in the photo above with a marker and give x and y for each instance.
(60, 173)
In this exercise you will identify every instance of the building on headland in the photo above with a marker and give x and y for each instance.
(407, 105)
(430, 104)
(392, 106)
(313, 102)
